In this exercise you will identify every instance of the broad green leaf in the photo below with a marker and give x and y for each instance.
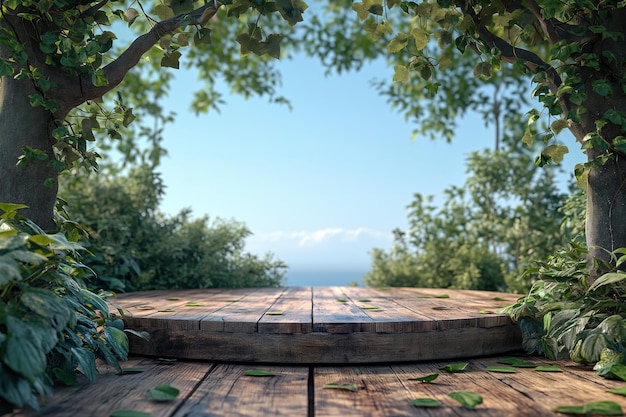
(455, 367)
(68, 379)
(370, 307)
(401, 73)
(346, 387)
(603, 408)
(517, 362)
(164, 393)
(548, 368)
(164, 12)
(202, 37)
(466, 398)
(27, 344)
(425, 378)
(171, 60)
(420, 37)
(618, 391)
(426, 402)
(11, 207)
(556, 152)
(602, 87)
(618, 370)
(165, 310)
(398, 43)
(117, 341)
(501, 369)
(87, 362)
(48, 305)
(98, 79)
(129, 413)
(558, 125)
(442, 296)
(258, 372)
(271, 46)
(193, 304)
(130, 15)
(483, 70)
(607, 279)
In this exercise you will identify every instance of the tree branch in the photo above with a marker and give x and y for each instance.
(117, 70)
(552, 28)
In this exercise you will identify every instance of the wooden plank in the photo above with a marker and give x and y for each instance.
(228, 392)
(291, 313)
(113, 392)
(244, 315)
(332, 315)
(380, 393)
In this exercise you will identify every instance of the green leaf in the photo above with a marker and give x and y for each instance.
(607, 279)
(364, 300)
(258, 372)
(398, 43)
(602, 87)
(517, 363)
(193, 304)
(618, 391)
(163, 393)
(426, 402)
(483, 70)
(342, 300)
(164, 12)
(128, 413)
(466, 398)
(455, 367)
(604, 408)
(346, 387)
(420, 38)
(271, 46)
(87, 361)
(556, 152)
(48, 305)
(98, 79)
(442, 296)
(618, 370)
(425, 378)
(171, 60)
(173, 298)
(202, 37)
(548, 368)
(558, 125)
(130, 15)
(401, 74)
(501, 369)
(5, 69)
(274, 313)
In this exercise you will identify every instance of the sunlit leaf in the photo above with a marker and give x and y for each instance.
(455, 367)
(618, 391)
(607, 279)
(501, 369)
(466, 398)
(398, 43)
(258, 372)
(604, 408)
(556, 152)
(548, 368)
(193, 304)
(342, 300)
(426, 402)
(164, 393)
(171, 60)
(346, 387)
(425, 378)
(442, 296)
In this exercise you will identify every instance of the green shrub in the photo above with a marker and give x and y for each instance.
(50, 324)
(135, 247)
(571, 314)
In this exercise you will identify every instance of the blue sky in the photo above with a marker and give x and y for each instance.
(319, 185)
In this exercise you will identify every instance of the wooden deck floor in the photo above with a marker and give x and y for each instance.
(311, 325)
(222, 389)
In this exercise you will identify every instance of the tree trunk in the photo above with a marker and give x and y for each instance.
(34, 185)
(606, 208)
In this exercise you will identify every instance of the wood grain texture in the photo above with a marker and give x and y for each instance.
(384, 390)
(321, 325)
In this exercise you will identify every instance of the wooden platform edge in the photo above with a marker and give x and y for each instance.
(328, 348)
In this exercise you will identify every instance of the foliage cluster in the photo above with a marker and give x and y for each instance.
(50, 323)
(567, 314)
(135, 247)
(486, 233)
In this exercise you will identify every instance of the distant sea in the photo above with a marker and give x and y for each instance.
(323, 278)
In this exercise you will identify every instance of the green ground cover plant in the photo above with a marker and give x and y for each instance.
(51, 325)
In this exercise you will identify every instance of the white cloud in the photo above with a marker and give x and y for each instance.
(308, 238)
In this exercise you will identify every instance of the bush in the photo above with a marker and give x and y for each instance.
(50, 324)
(136, 247)
(570, 315)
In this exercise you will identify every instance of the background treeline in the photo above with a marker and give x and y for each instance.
(487, 234)
(133, 246)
